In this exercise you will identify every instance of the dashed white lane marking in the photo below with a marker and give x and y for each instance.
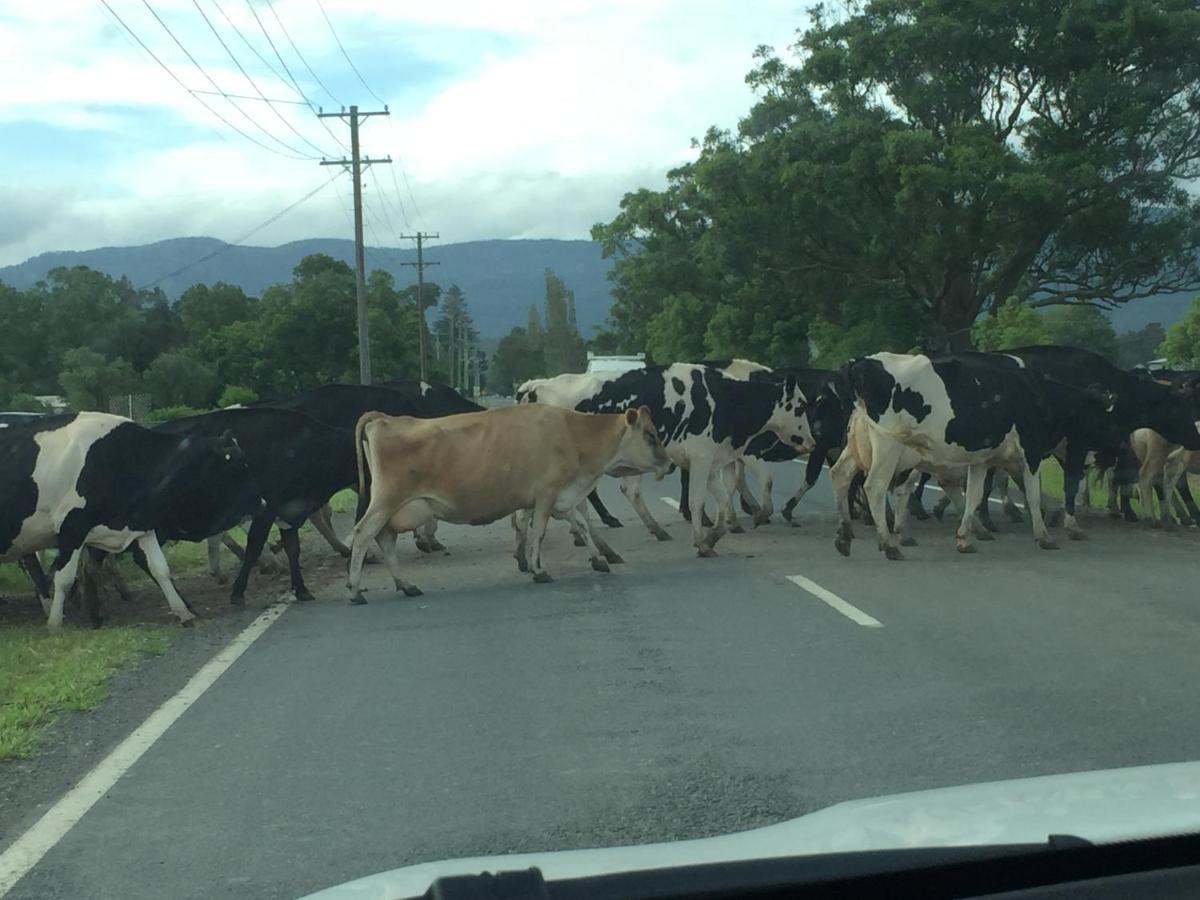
(670, 501)
(29, 848)
(851, 612)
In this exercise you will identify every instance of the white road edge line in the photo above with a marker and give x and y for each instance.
(25, 853)
(670, 501)
(1017, 504)
(846, 609)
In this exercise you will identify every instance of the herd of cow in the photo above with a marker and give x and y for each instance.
(417, 453)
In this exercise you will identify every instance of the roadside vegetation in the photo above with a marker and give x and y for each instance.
(43, 674)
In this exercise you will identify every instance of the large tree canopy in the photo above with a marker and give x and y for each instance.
(934, 157)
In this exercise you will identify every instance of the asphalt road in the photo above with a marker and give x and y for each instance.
(674, 698)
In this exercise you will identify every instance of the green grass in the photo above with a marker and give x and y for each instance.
(1052, 483)
(42, 674)
(344, 501)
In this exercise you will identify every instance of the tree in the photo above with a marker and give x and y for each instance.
(395, 344)
(517, 360)
(1137, 347)
(181, 378)
(448, 331)
(1013, 325)
(203, 308)
(25, 346)
(1081, 326)
(940, 155)
(91, 382)
(236, 395)
(562, 347)
(1182, 346)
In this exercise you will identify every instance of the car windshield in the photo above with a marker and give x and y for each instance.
(433, 432)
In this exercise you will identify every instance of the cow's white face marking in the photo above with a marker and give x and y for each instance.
(228, 457)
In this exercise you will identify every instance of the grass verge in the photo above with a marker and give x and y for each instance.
(42, 674)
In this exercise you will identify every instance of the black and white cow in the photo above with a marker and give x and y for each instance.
(299, 463)
(960, 412)
(705, 421)
(96, 480)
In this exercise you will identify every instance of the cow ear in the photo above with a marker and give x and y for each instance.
(644, 413)
(631, 416)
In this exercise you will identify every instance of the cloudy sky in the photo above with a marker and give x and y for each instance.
(520, 119)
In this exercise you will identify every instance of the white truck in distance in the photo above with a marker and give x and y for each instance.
(597, 363)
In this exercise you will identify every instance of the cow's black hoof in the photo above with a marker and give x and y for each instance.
(615, 558)
(746, 507)
(358, 600)
(687, 516)
(987, 523)
(237, 600)
(437, 547)
(600, 565)
(908, 541)
(186, 623)
(787, 510)
(577, 540)
(761, 518)
(613, 523)
(706, 521)
(222, 578)
(984, 535)
(1076, 535)
(706, 552)
(1129, 516)
(344, 552)
(522, 564)
(662, 534)
(919, 513)
(1047, 544)
(737, 528)
(542, 577)
(412, 591)
(304, 596)
(966, 548)
(842, 544)
(893, 553)
(423, 547)
(939, 512)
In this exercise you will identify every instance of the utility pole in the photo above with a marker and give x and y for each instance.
(420, 237)
(356, 164)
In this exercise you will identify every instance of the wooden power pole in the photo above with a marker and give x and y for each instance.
(420, 237)
(356, 164)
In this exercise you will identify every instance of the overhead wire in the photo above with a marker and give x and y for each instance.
(296, 50)
(254, 50)
(353, 67)
(300, 154)
(233, 57)
(196, 96)
(241, 238)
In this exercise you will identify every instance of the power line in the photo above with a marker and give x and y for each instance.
(238, 240)
(353, 67)
(195, 96)
(250, 80)
(246, 97)
(383, 202)
(254, 50)
(399, 198)
(300, 153)
(296, 50)
(291, 77)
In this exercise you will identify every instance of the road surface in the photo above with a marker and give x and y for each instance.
(674, 698)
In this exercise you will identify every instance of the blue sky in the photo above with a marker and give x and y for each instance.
(523, 119)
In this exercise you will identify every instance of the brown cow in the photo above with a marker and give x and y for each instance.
(1160, 463)
(475, 468)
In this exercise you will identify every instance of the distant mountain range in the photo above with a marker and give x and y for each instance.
(501, 278)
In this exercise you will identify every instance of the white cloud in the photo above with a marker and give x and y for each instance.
(514, 119)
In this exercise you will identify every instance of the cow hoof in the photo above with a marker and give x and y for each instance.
(1076, 535)
(1047, 543)
(522, 564)
(237, 600)
(423, 547)
(761, 518)
(1151, 523)
(437, 547)
(1129, 516)
(908, 541)
(222, 579)
(966, 548)
(787, 512)
(919, 513)
(988, 524)
(304, 596)
(1169, 524)
(736, 528)
(842, 544)
(542, 577)
(984, 535)
(687, 516)
(661, 534)
(893, 553)
(600, 565)
(613, 523)
(615, 558)
(344, 552)
(578, 541)
(706, 552)
(938, 512)
(706, 521)
(411, 590)
(358, 600)
(183, 623)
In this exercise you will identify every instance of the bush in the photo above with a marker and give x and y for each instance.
(236, 395)
(26, 403)
(167, 413)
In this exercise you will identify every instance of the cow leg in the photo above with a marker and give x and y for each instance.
(1073, 474)
(539, 518)
(724, 499)
(577, 516)
(902, 492)
(885, 454)
(32, 567)
(267, 563)
(812, 471)
(761, 471)
(631, 487)
(725, 510)
(1175, 480)
(1033, 503)
(366, 530)
(291, 546)
(842, 477)
(916, 499)
(425, 538)
(387, 545)
(1151, 466)
(602, 511)
(322, 520)
(1114, 509)
(685, 506)
(519, 526)
(214, 559)
(88, 584)
(63, 572)
(984, 514)
(963, 538)
(256, 539)
(1185, 492)
(161, 573)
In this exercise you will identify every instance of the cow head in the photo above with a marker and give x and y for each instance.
(210, 489)
(789, 419)
(829, 415)
(1099, 417)
(641, 449)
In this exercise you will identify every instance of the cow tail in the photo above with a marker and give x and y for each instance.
(359, 454)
